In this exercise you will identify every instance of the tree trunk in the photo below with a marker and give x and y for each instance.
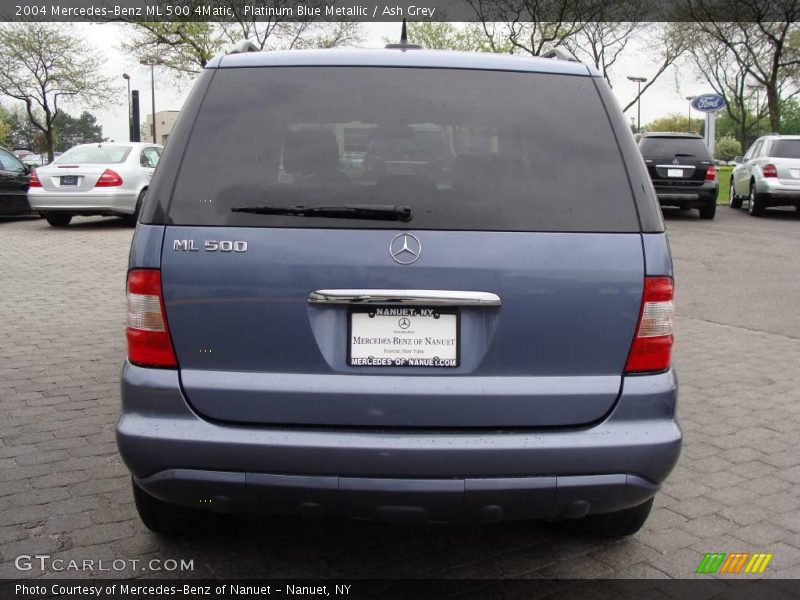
(773, 104)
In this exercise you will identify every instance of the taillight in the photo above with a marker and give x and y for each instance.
(34, 180)
(770, 170)
(109, 178)
(652, 347)
(149, 344)
(711, 174)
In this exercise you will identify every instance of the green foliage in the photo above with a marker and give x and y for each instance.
(45, 65)
(675, 122)
(727, 148)
(465, 37)
(71, 131)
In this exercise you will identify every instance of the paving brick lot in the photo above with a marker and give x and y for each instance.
(65, 492)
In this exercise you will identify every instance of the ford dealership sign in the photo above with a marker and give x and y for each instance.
(708, 103)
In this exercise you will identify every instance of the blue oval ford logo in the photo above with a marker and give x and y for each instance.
(708, 103)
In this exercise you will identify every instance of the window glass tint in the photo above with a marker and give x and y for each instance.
(672, 146)
(149, 158)
(104, 153)
(9, 162)
(464, 149)
(785, 149)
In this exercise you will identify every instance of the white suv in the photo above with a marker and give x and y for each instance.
(768, 174)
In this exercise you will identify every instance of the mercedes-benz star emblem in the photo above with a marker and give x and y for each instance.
(675, 161)
(405, 248)
(404, 323)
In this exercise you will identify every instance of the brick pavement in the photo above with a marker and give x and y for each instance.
(65, 492)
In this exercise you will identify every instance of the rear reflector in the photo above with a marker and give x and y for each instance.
(149, 344)
(109, 178)
(711, 174)
(652, 347)
(34, 180)
(770, 170)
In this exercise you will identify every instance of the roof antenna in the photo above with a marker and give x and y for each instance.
(404, 45)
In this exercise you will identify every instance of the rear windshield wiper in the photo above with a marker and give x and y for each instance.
(377, 212)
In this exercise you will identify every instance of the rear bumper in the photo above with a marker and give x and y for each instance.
(774, 193)
(392, 474)
(695, 195)
(120, 202)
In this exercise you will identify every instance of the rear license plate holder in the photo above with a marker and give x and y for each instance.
(69, 180)
(403, 336)
(674, 172)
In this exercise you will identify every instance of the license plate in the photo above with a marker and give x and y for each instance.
(69, 180)
(674, 172)
(403, 337)
(795, 173)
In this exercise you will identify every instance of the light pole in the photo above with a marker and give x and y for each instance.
(127, 78)
(757, 88)
(152, 63)
(689, 126)
(639, 81)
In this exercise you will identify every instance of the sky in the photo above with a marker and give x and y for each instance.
(667, 95)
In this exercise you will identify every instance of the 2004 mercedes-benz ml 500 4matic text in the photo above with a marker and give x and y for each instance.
(480, 330)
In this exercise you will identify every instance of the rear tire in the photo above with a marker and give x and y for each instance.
(167, 519)
(58, 219)
(756, 205)
(134, 218)
(733, 200)
(615, 524)
(708, 211)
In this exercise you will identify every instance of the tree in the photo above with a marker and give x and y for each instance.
(447, 35)
(531, 26)
(763, 43)
(43, 65)
(71, 131)
(185, 47)
(675, 122)
(727, 148)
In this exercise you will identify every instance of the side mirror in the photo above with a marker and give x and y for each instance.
(738, 160)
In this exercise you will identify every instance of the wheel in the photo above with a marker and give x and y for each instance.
(134, 218)
(615, 524)
(58, 219)
(756, 205)
(164, 518)
(709, 210)
(733, 200)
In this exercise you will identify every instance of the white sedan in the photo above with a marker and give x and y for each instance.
(94, 179)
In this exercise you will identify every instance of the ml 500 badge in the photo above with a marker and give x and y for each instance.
(210, 246)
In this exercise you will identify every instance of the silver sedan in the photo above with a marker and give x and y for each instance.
(94, 179)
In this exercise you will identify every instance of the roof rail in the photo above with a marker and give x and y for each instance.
(243, 47)
(560, 53)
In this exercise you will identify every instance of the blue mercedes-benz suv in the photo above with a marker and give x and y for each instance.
(474, 322)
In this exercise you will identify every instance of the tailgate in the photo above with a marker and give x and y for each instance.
(253, 349)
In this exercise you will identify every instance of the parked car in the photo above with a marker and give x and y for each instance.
(94, 179)
(492, 345)
(767, 175)
(682, 170)
(13, 185)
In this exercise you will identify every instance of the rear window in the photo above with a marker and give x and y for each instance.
(95, 154)
(785, 149)
(672, 146)
(480, 150)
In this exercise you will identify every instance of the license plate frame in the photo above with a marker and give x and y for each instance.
(676, 173)
(404, 360)
(68, 181)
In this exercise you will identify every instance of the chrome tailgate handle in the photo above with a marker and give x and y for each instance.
(407, 297)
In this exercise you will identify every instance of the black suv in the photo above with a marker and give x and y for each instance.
(682, 170)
